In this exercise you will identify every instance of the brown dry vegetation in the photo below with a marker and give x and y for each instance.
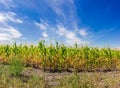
(37, 78)
(60, 57)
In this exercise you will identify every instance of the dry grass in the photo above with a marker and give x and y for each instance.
(36, 78)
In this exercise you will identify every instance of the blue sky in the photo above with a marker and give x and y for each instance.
(92, 22)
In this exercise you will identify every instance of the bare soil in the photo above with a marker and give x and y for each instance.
(110, 79)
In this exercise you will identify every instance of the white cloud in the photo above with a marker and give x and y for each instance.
(58, 3)
(70, 36)
(68, 18)
(61, 30)
(57, 7)
(8, 32)
(59, 12)
(9, 16)
(45, 35)
(83, 32)
(43, 25)
(8, 3)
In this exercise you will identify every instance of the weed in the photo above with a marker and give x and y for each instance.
(16, 67)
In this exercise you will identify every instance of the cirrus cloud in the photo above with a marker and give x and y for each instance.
(8, 3)
(83, 32)
(7, 32)
(70, 36)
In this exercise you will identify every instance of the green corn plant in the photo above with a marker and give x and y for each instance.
(15, 49)
(7, 50)
(61, 56)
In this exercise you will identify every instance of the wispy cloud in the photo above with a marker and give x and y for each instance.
(70, 36)
(42, 25)
(100, 34)
(7, 32)
(8, 3)
(83, 32)
(65, 10)
(59, 12)
(45, 35)
(60, 31)
(9, 16)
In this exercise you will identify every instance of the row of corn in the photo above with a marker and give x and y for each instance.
(59, 56)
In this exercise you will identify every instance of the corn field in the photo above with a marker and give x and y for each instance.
(61, 57)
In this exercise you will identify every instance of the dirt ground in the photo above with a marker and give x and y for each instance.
(109, 79)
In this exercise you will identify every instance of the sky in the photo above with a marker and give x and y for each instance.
(91, 22)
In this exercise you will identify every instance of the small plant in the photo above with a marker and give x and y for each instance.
(16, 67)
